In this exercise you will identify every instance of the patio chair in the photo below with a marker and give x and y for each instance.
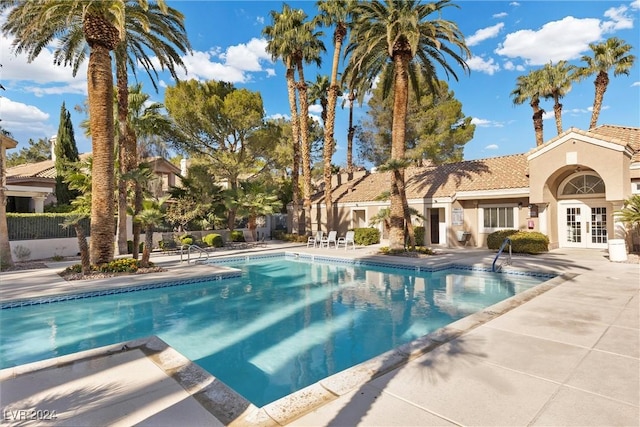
(315, 239)
(331, 238)
(346, 240)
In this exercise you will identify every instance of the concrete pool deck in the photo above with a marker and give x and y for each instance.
(568, 356)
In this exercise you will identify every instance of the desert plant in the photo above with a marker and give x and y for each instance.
(22, 253)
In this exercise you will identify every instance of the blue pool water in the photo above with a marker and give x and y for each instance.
(283, 325)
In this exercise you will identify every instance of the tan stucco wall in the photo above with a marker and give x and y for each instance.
(549, 168)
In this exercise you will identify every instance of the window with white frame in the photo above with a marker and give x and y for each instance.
(497, 217)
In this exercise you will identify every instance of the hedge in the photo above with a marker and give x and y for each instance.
(527, 242)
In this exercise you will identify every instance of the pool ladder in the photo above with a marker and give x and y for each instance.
(507, 241)
(194, 248)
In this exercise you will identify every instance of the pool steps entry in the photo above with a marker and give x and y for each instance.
(507, 241)
(194, 248)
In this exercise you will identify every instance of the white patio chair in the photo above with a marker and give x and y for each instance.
(316, 239)
(331, 238)
(346, 240)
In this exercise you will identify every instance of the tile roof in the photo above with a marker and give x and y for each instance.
(626, 136)
(506, 172)
(43, 169)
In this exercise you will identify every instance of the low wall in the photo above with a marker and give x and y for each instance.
(43, 249)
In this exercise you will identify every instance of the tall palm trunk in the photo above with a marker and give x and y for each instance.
(148, 243)
(557, 112)
(350, 133)
(83, 246)
(537, 121)
(295, 138)
(305, 149)
(102, 38)
(398, 135)
(601, 83)
(329, 125)
(122, 82)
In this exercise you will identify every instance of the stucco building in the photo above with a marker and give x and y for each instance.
(568, 188)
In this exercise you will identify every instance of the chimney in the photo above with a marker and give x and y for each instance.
(52, 140)
(183, 167)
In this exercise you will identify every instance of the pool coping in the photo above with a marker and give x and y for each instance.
(231, 408)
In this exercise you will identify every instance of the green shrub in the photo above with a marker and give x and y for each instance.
(236, 236)
(495, 239)
(366, 236)
(213, 240)
(386, 250)
(123, 265)
(529, 242)
(418, 233)
(524, 242)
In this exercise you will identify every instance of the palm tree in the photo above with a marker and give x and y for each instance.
(75, 221)
(318, 92)
(154, 29)
(611, 54)
(395, 39)
(145, 122)
(295, 41)
(150, 217)
(34, 24)
(280, 46)
(307, 50)
(332, 13)
(557, 80)
(529, 87)
(255, 200)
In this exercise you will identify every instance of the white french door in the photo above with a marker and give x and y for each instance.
(582, 225)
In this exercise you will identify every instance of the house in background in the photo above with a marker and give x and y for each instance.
(568, 188)
(31, 187)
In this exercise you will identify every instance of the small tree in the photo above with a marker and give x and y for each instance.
(66, 151)
(150, 217)
(83, 245)
(255, 200)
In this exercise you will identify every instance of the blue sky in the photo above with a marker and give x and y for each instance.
(507, 39)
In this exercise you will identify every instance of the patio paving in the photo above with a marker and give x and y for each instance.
(569, 356)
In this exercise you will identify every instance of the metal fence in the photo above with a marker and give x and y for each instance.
(42, 226)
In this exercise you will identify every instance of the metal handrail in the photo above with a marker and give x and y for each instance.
(507, 241)
(196, 248)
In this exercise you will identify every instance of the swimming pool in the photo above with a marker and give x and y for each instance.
(286, 323)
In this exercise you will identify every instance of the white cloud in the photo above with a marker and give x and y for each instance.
(484, 34)
(619, 17)
(510, 66)
(260, 20)
(634, 84)
(17, 116)
(547, 115)
(484, 123)
(49, 78)
(277, 116)
(514, 3)
(500, 15)
(491, 147)
(235, 66)
(487, 66)
(541, 46)
(315, 108)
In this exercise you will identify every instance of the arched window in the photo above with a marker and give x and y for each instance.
(585, 183)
